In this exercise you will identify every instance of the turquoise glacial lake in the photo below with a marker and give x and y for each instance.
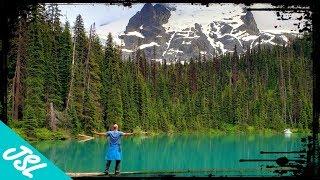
(176, 153)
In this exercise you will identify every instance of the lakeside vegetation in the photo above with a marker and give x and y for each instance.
(61, 85)
(62, 134)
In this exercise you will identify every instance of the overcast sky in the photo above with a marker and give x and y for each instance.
(103, 13)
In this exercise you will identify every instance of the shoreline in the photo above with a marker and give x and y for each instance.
(63, 135)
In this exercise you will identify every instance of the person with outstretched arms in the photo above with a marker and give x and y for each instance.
(113, 152)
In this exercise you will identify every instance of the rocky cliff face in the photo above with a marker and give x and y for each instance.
(179, 32)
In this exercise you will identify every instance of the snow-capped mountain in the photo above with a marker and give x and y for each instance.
(183, 31)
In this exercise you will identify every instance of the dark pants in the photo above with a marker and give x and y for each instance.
(117, 168)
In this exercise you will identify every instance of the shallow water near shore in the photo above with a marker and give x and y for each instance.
(176, 153)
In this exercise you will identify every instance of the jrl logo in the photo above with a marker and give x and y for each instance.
(29, 159)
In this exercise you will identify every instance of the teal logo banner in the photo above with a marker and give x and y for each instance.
(19, 160)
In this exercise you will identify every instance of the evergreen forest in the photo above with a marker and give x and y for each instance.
(63, 81)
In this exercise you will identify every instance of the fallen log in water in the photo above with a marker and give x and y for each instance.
(210, 171)
(84, 137)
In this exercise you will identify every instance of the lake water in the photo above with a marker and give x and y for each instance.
(175, 153)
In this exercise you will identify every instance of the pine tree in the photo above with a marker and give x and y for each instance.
(80, 55)
(65, 62)
(112, 99)
(92, 112)
(50, 35)
(34, 111)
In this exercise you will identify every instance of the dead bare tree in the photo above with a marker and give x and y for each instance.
(17, 86)
(72, 74)
(53, 121)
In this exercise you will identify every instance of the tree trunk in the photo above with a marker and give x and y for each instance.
(17, 82)
(282, 91)
(255, 79)
(53, 120)
(72, 74)
(266, 75)
(248, 113)
(87, 75)
(290, 93)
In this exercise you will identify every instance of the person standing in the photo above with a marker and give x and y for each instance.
(114, 149)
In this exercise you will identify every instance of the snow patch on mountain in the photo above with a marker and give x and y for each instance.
(148, 45)
(133, 33)
(249, 38)
(168, 44)
(185, 16)
(127, 50)
(174, 51)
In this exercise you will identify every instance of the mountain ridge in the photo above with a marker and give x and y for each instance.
(181, 31)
